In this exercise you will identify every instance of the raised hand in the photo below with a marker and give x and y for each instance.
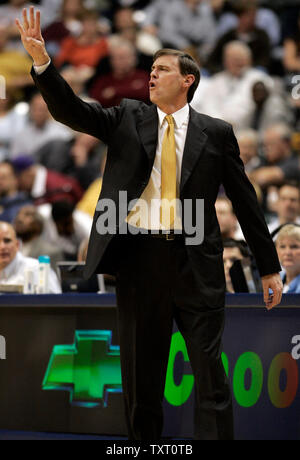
(31, 36)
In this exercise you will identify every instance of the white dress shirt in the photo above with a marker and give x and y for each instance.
(14, 273)
(148, 211)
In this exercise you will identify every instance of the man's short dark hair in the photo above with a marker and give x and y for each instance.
(241, 245)
(187, 65)
(62, 210)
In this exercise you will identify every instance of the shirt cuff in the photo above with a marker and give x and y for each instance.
(39, 69)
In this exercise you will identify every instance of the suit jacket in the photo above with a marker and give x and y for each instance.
(210, 158)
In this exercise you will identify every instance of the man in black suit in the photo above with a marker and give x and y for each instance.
(161, 274)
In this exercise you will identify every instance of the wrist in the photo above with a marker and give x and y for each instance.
(41, 60)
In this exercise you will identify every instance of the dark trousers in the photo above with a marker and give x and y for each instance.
(155, 285)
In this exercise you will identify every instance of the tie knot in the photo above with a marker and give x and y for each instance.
(170, 119)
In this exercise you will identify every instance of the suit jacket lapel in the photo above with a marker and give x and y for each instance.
(194, 144)
(147, 127)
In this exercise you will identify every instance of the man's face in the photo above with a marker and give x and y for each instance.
(230, 255)
(288, 203)
(248, 149)
(65, 227)
(25, 220)
(235, 62)
(122, 60)
(274, 146)
(166, 82)
(8, 180)
(26, 179)
(226, 218)
(39, 111)
(8, 245)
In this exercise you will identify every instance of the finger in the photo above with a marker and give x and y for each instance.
(31, 15)
(38, 23)
(266, 294)
(20, 27)
(275, 299)
(278, 297)
(25, 20)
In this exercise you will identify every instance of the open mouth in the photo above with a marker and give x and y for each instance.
(151, 85)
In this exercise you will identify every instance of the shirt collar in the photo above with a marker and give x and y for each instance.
(180, 117)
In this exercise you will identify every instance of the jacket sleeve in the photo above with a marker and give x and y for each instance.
(247, 209)
(69, 109)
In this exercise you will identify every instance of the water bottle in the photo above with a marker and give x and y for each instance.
(29, 286)
(44, 273)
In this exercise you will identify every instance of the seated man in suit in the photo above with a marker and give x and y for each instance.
(160, 156)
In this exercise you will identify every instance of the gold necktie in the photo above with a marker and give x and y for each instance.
(168, 176)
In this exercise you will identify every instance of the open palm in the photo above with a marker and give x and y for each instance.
(31, 36)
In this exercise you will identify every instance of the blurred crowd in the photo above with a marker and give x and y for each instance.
(249, 55)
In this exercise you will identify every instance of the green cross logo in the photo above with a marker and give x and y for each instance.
(89, 369)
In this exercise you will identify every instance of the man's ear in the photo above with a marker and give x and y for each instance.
(189, 80)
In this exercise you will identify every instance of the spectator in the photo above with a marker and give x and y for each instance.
(44, 185)
(14, 67)
(79, 158)
(279, 163)
(65, 227)
(291, 47)
(182, 24)
(29, 226)
(39, 129)
(125, 80)
(13, 264)
(11, 200)
(66, 24)
(127, 27)
(266, 19)
(246, 32)
(227, 220)
(86, 49)
(287, 206)
(233, 251)
(228, 94)
(271, 106)
(288, 248)
(248, 141)
(12, 121)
